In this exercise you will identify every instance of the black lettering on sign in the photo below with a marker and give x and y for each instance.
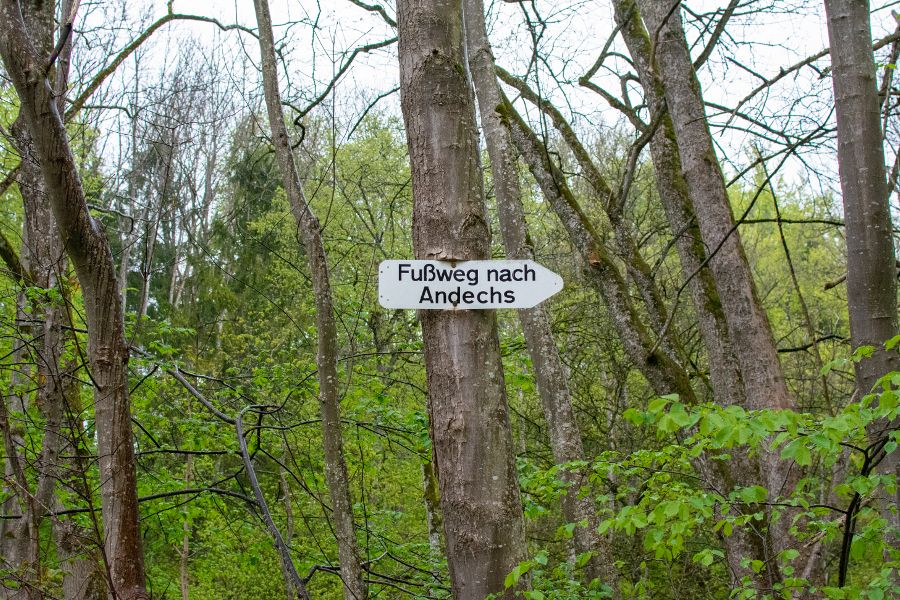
(458, 296)
(430, 272)
(524, 273)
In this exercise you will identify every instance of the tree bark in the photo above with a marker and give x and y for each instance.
(327, 353)
(468, 414)
(871, 270)
(657, 365)
(871, 280)
(724, 370)
(626, 248)
(550, 373)
(91, 256)
(748, 324)
(684, 141)
(660, 369)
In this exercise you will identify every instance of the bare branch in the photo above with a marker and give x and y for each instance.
(376, 8)
(716, 34)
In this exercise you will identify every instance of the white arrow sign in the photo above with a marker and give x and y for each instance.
(468, 285)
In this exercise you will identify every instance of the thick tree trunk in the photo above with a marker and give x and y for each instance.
(725, 376)
(90, 254)
(327, 354)
(468, 414)
(687, 164)
(20, 543)
(871, 270)
(871, 280)
(549, 372)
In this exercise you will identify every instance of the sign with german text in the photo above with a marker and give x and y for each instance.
(465, 285)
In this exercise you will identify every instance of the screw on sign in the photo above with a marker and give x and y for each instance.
(469, 285)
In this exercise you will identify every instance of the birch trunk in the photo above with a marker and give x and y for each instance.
(468, 414)
(326, 356)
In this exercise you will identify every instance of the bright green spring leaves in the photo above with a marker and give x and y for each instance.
(672, 506)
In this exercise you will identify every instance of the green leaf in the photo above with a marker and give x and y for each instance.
(863, 352)
(789, 554)
(797, 451)
(582, 559)
(634, 416)
(754, 494)
(658, 404)
(566, 531)
(516, 574)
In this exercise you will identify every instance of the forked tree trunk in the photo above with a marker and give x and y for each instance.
(725, 374)
(90, 253)
(549, 371)
(663, 372)
(724, 371)
(748, 324)
(468, 416)
(327, 353)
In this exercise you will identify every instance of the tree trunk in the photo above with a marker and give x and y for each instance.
(684, 144)
(724, 371)
(549, 372)
(326, 356)
(468, 415)
(871, 270)
(871, 281)
(91, 256)
(748, 324)
(657, 365)
(636, 266)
